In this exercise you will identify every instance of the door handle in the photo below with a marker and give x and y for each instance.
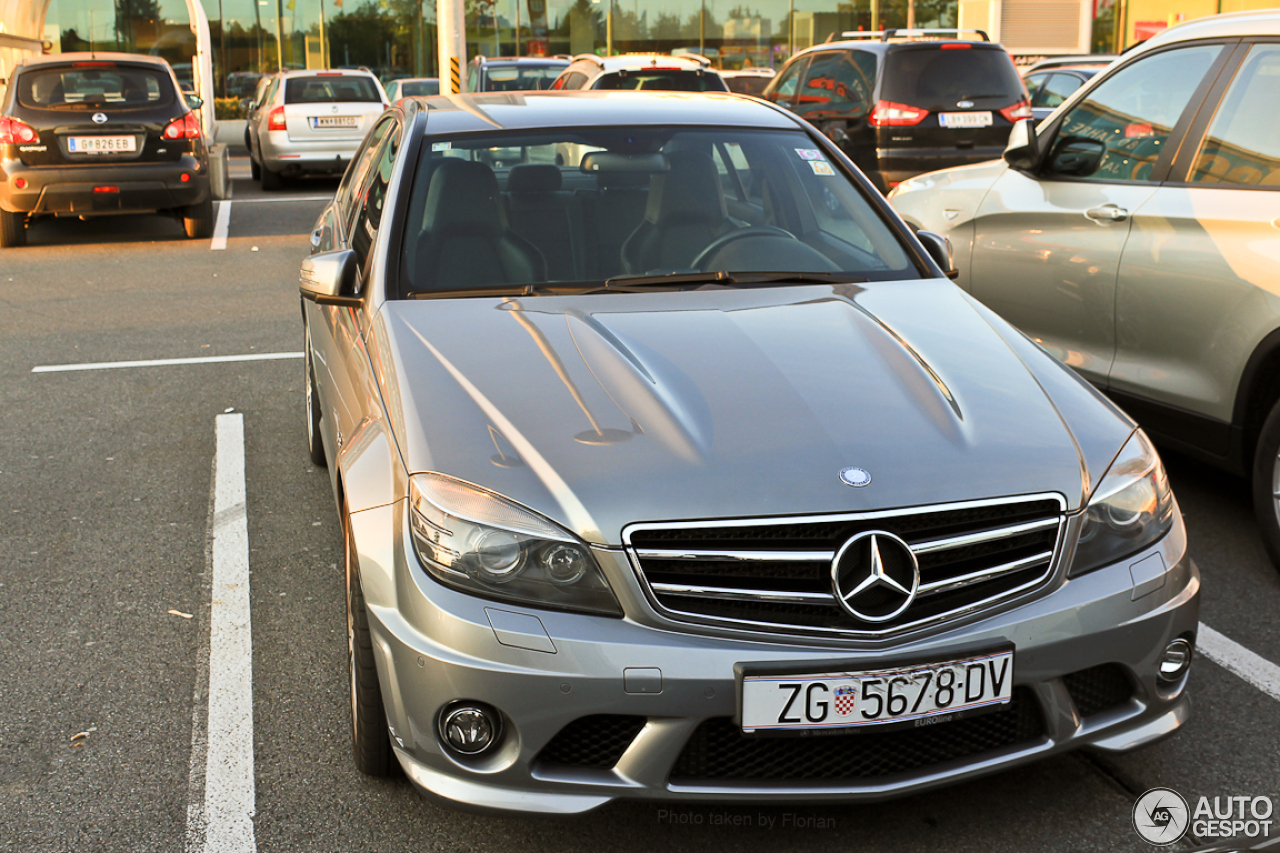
(1107, 213)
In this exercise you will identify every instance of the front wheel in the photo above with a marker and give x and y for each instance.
(370, 742)
(13, 230)
(1266, 484)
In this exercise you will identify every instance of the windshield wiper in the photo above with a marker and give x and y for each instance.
(731, 278)
(464, 292)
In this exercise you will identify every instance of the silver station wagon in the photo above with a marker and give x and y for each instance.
(671, 466)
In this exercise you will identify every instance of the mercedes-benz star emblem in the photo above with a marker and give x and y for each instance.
(99, 118)
(875, 576)
(856, 477)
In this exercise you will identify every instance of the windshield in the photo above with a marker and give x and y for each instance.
(91, 86)
(505, 210)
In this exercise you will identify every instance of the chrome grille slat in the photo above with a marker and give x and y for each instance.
(776, 573)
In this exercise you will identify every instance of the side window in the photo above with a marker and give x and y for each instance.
(346, 197)
(1056, 89)
(824, 89)
(1242, 147)
(473, 79)
(575, 80)
(788, 82)
(1134, 110)
(373, 194)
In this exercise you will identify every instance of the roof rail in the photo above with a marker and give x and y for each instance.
(906, 35)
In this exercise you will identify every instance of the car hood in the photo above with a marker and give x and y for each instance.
(606, 409)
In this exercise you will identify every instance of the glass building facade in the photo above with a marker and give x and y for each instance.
(398, 37)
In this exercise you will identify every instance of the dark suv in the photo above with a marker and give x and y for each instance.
(94, 134)
(902, 102)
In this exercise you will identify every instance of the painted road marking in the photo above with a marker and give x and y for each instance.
(164, 362)
(1236, 659)
(219, 241)
(224, 824)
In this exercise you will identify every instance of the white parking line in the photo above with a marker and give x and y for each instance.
(286, 198)
(1236, 659)
(163, 362)
(219, 241)
(225, 822)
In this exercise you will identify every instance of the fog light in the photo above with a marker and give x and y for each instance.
(1175, 660)
(470, 728)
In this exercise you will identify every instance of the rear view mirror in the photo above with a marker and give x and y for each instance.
(1023, 149)
(330, 278)
(939, 248)
(613, 162)
(1076, 156)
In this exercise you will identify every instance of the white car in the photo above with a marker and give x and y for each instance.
(311, 122)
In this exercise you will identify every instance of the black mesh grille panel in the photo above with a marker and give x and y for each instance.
(718, 750)
(1099, 688)
(595, 741)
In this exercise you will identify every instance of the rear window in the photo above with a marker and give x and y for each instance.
(328, 90)
(419, 88)
(662, 81)
(94, 86)
(520, 78)
(932, 77)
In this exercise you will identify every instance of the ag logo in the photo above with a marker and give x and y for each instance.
(1161, 816)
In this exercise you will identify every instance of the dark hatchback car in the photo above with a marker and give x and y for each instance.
(903, 102)
(96, 134)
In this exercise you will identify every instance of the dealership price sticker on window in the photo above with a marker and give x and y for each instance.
(916, 695)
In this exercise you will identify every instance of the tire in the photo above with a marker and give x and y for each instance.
(370, 741)
(13, 230)
(271, 181)
(255, 171)
(1266, 484)
(315, 445)
(197, 220)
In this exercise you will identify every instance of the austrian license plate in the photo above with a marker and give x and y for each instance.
(917, 695)
(979, 119)
(101, 144)
(335, 121)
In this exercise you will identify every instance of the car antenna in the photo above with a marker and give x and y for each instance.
(91, 56)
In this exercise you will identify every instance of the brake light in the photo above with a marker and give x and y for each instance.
(960, 46)
(1021, 111)
(275, 121)
(93, 65)
(106, 189)
(14, 132)
(889, 114)
(186, 127)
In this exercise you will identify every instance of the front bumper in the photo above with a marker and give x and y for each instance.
(597, 709)
(70, 190)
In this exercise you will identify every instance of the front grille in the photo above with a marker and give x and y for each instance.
(1099, 688)
(771, 573)
(595, 741)
(719, 751)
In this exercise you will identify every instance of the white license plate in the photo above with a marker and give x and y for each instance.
(982, 119)
(335, 121)
(101, 144)
(920, 694)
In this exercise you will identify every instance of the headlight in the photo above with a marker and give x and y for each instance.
(1131, 508)
(475, 541)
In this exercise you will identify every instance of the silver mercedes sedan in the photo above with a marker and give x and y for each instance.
(671, 466)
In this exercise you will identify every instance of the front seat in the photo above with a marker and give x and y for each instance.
(466, 242)
(685, 212)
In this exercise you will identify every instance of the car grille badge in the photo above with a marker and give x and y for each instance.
(856, 477)
(964, 105)
(99, 118)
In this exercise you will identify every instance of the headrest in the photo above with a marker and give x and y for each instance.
(690, 191)
(463, 196)
(534, 178)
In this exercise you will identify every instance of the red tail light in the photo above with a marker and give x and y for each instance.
(187, 127)
(889, 114)
(275, 121)
(1020, 111)
(14, 132)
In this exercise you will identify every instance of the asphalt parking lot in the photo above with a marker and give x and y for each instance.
(173, 634)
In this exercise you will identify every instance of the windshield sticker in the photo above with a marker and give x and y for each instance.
(821, 167)
(441, 146)
(810, 154)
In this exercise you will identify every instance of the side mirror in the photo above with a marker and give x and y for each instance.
(1077, 156)
(939, 248)
(195, 101)
(330, 278)
(1023, 150)
(245, 103)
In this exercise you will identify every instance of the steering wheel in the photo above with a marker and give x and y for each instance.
(723, 240)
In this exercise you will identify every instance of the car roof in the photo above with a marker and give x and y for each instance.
(447, 114)
(520, 60)
(326, 72)
(1259, 23)
(878, 46)
(691, 61)
(95, 56)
